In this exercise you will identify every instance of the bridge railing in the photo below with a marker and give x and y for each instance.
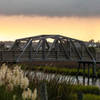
(13, 56)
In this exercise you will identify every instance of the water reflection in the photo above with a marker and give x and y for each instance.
(62, 78)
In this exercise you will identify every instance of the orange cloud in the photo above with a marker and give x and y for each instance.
(12, 27)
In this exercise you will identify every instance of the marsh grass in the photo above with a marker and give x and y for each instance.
(58, 88)
(65, 71)
(60, 70)
(91, 97)
(9, 95)
(86, 89)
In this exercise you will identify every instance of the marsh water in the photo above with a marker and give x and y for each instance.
(62, 78)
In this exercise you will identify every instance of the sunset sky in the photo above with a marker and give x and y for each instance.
(78, 19)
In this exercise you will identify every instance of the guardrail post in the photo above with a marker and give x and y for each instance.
(80, 96)
(43, 95)
(94, 76)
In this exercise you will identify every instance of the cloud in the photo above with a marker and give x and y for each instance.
(60, 8)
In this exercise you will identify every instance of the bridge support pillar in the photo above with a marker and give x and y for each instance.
(88, 82)
(94, 76)
(78, 69)
(83, 65)
(30, 51)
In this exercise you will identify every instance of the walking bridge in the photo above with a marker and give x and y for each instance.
(52, 48)
(49, 48)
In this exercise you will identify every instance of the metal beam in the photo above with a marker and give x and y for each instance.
(15, 45)
(53, 44)
(26, 46)
(47, 44)
(38, 46)
(43, 48)
(88, 52)
(66, 53)
(76, 50)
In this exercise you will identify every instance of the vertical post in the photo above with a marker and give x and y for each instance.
(30, 51)
(43, 48)
(1, 56)
(94, 73)
(43, 91)
(83, 73)
(88, 74)
(94, 69)
(82, 51)
(13, 55)
(79, 65)
(80, 96)
(69, 48)
(56, 49)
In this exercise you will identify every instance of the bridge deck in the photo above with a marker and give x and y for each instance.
(12, 56)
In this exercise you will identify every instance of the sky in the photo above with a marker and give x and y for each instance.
(78, 19)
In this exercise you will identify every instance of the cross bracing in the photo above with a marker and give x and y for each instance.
(53, 48)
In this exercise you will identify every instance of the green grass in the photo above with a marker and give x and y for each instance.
(57, 91)
(86, 89)
(65, 71)
(9, 95)
(62, 70)
(68, 91)
(91, 97)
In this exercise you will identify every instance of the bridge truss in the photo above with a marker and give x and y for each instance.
(52, 47)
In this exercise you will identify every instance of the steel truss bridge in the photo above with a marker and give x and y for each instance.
(52, 48)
